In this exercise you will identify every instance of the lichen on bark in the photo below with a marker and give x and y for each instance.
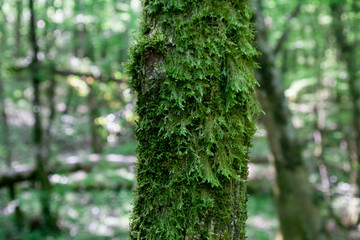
(192, 69)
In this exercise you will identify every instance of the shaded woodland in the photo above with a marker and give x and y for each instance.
(68, 119)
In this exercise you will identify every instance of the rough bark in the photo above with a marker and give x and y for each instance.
(192, 70)
(299, 216)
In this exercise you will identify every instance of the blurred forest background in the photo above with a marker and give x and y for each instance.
(67, 142)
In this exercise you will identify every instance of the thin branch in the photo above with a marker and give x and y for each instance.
(100, 77)
(287, 31)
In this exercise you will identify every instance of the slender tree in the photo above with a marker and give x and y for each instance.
(299, 217)
(348, 54)
(51, 90)
(82, 49)
(192, 68)
(41, 163)
(5, 125)
(19, 11)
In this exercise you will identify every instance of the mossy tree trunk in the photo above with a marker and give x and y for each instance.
(192, 68)
(299, 216)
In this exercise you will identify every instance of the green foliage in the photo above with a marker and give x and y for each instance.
(193, 102)
(261, 224)
(83, 213)
(192, 68)
(127, 148)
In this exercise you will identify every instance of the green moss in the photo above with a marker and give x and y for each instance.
(192, 68)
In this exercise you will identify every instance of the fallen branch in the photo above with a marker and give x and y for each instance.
(81, 74)
(69, 164)
(72, 73)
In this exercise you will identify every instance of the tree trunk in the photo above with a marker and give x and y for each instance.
(82, 49)
(6, 129)
(192, 70)
(51, 89)
(97, 142)
(41, 164)
(298, 215)
(348, 55)
(8, 152)
(19, 12)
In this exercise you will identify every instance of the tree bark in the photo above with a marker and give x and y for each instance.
(298, 215)
(193, 72)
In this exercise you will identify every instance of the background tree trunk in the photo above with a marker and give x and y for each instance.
(348, 55)
(41, 163)
(19, 11)
(299, 216)
(96, 138)
(6, 128)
